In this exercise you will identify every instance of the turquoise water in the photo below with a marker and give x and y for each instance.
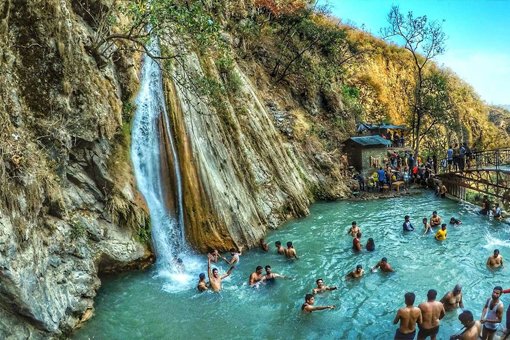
(151, 306)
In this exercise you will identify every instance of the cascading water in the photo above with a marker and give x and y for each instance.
(167, 227)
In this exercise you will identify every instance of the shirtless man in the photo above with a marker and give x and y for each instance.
(290, 252)
(495, 260)
(356, 273)
(426, 226)
(453, 300)
(214, 255)
(308, 306)
(408, 317)
(354, 229)
(492, 314)
(202, 285)
(279, 248)
(321, 287)
(356, 243)
(215, 278)
(384, 265)
(263, 245)
(256, 277)
(234, 260)
(432, 311)
(472, 328)
(435, 219)
(270, 276)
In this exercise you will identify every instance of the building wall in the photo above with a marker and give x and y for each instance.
(379, 154)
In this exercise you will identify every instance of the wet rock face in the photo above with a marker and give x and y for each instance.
(68, 205)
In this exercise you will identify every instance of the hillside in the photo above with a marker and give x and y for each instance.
(260, 97)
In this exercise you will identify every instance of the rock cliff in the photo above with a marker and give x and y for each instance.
(68, 207)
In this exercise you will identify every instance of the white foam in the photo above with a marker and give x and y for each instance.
(493, 242)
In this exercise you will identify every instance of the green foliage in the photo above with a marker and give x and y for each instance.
(79, 228)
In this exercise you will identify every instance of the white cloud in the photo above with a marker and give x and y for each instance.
(488, 73)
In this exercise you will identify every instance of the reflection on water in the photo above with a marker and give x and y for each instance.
(146, 305)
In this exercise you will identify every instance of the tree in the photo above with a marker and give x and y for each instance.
(425, 40)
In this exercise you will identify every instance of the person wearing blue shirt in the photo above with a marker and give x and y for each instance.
(407, 226)
(449, 157)
(381, 177)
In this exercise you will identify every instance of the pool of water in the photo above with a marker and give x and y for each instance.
(151, 305)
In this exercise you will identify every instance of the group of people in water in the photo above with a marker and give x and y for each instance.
(426, 317)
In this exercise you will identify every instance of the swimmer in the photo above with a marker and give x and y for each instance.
(455, 221)
(441, 233)
(179, 265)
(256, 277)
(426, 226)
(214, 255)
(263, 245)
(279, 248)
(215, 278)
(431, 311)
(453, 300)
(492, 314)
(408, 317)
(495, 260)
(435, 220)
(356, 243)
(356, 273)
(354, 229)
(321, 287)
(407, 226)
(497, 212)
(308, 306)
(202, 285)
(370, 244)
(234, 260)
(270, 276)
(442, 191)
(290, 252)
(384, 265)
(472, 327)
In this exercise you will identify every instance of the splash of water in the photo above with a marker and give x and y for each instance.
(493, 242)
(167, 227)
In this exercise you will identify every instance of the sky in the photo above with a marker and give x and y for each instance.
(478, 45)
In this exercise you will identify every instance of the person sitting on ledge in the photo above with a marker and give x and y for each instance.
(308, 306)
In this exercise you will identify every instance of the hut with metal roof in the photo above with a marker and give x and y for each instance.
(366, 153)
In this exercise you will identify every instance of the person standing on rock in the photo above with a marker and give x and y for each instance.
(290, 252)
(432, 311)
(215, 278)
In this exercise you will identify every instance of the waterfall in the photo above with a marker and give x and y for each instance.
(167, 227)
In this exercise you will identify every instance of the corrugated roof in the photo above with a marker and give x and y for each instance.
(371, 127)
(370, 140)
